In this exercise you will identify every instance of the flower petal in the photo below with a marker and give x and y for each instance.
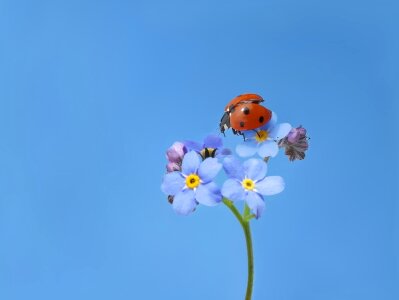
(191, 145)
(233, 190)
(268, 148)
(213, 141)
(208, 194)
(249, 134)
(247, 148)
(272, 122)
(233, 167)
(255, 169)
(172, 183)
(191, 162)
(280, 131)
(255, 203)
(223, 152)
(184, 202)
(208, 169)
(271, 185)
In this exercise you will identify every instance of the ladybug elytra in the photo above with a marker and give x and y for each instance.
(244, 112)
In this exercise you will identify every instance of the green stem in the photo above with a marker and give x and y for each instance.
(244, 221)
(248, 239)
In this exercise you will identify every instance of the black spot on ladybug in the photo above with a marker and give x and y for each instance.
(245, 110)
(242, 124)
(261, 119)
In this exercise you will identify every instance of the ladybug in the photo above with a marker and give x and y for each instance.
(244, 112)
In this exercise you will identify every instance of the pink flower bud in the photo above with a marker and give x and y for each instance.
(296, 134)
(295, 143)
(176, 152)
(172, 166)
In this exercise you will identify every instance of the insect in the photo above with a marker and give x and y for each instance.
(244, 112)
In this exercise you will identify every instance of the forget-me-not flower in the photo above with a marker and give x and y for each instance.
(263, 140)
(194, 184)
(248, 182)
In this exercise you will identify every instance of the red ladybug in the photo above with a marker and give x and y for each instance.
(244, 112)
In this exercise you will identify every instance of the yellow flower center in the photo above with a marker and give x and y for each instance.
(261, 136)
(192, 181)
(248, 184)
(208, 152)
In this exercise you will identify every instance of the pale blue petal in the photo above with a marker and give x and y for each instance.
(247, 148)
(255, 169)
(255, 203)
(191, 162)
(271, 185)
(268, 148)
(249, 134)
(208, 194)
(208, 169)
(280, 131)
(213, 141)
(172, 183)
(273, 121)
(184, 202)
(233, 190)
(191, 145)
(223, 152)
(233, 167)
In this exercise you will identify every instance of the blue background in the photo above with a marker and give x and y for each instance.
(93, 92)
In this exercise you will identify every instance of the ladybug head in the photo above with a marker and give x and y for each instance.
(224, 122)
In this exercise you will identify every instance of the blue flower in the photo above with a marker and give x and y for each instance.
(193, 184)
(248, 182)
(211, 147)
(264, 140)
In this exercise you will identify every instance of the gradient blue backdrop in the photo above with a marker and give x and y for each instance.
(93, 92)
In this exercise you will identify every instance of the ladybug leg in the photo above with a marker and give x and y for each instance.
(243, 135)
(237, 132)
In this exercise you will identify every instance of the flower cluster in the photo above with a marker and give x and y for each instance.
(193, 167)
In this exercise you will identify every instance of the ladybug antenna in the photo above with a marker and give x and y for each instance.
(257, 132)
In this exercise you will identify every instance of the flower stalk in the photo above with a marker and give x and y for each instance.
(244, 220)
